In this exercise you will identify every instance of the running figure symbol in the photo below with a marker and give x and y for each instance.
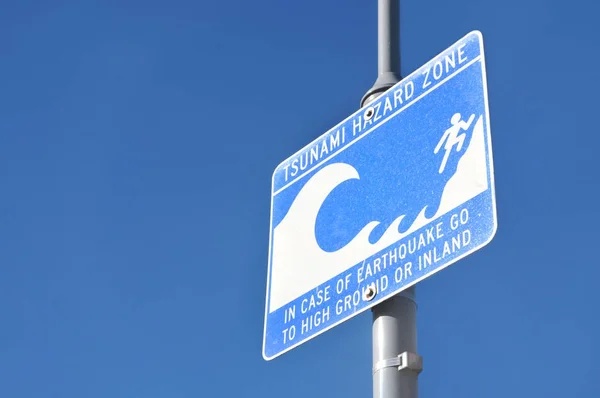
(452, 137)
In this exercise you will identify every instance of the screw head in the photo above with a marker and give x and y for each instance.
(369, 292)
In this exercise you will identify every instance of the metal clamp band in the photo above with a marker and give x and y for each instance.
(406, 360)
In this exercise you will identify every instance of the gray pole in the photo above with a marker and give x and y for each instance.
(388, 38)
(396, 365)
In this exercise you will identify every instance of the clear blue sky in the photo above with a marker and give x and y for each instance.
(137, 142)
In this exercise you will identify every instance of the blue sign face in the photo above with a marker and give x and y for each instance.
(396, 192)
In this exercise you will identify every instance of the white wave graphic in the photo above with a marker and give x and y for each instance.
(299, 264)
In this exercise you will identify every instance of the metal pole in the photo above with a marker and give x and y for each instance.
(388, 39)
(396, 365)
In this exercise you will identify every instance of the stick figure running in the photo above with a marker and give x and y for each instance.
(452, 137)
